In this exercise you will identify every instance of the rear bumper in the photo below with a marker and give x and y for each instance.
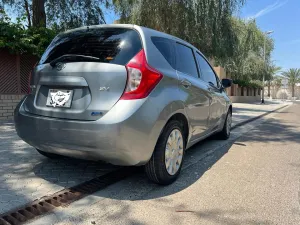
(121, 137)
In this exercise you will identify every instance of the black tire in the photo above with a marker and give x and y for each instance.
(49, 155)
(156, 169)
(224, 134)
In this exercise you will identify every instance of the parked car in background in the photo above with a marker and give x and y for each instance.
(124, 94)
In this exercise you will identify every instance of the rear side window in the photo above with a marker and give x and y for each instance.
(185, 60)
(166, 48)
(110, 45)
(207, 73)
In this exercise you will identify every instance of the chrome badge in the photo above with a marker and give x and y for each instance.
(59, 66)
(103, 88)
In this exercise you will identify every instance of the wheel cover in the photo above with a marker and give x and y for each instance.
(174, 152)
(228, 123)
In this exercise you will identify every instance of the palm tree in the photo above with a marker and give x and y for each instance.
(293, 76)
(276, 83)
(273, 70)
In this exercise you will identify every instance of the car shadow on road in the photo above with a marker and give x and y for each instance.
(67, 172)
(276, 131)
(198, 160)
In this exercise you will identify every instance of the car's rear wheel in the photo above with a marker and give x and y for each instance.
(166, 162)
(49, 155)
(225, 133)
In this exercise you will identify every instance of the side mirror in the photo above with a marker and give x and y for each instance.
(226, 83)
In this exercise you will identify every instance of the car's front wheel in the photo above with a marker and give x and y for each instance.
(166, 162)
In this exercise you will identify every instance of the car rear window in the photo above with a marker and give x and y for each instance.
(185, 60)
(110, 45)
(166, 48)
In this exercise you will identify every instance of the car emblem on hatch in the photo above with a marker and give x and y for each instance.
(59, 66)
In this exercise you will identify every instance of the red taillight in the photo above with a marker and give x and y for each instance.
(141, 78)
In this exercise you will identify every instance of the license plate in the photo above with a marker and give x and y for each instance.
(59, 98)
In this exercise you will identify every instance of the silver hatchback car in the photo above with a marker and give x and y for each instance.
(124, 94)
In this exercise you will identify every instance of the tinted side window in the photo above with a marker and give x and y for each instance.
(185, 60)
(207, 74)
(166, 48)
(110, 45)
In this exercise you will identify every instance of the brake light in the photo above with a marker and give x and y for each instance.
(141, 78)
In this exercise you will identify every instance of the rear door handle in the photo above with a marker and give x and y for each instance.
(185, 83)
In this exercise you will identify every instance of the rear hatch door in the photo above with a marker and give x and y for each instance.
(82, 74)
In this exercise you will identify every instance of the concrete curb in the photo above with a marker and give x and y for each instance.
(239, 124)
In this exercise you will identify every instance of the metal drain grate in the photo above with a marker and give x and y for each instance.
(63, 198)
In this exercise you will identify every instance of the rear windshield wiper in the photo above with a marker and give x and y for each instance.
(74, 58)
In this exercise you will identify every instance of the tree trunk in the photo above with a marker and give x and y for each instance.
(269, 89)
(26, 6)
(293, 90)
(38, 13)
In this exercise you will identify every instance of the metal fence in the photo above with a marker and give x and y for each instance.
(14, 72)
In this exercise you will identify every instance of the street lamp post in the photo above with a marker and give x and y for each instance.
(263, 90)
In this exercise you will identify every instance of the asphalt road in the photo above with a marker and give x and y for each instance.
(253, 178)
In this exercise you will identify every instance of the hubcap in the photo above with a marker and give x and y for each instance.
(174, 152)
(228, 123)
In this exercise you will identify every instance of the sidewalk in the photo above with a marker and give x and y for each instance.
(243, 112)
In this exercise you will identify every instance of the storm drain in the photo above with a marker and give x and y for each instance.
(62, 198)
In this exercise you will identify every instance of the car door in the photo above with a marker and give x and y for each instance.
(195, 91)
(217, 106)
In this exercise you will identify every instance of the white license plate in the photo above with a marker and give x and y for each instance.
(59, 98)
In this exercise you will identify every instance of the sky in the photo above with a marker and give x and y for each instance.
(282, 17)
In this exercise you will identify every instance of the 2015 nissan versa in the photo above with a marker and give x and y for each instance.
(124, 94)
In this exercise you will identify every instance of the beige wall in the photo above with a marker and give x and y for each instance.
(237, 91)
(244, 99)
(7, 105)
(221, 72)
(282, 93)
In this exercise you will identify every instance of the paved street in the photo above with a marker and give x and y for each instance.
(251, 179)
(25, 176)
